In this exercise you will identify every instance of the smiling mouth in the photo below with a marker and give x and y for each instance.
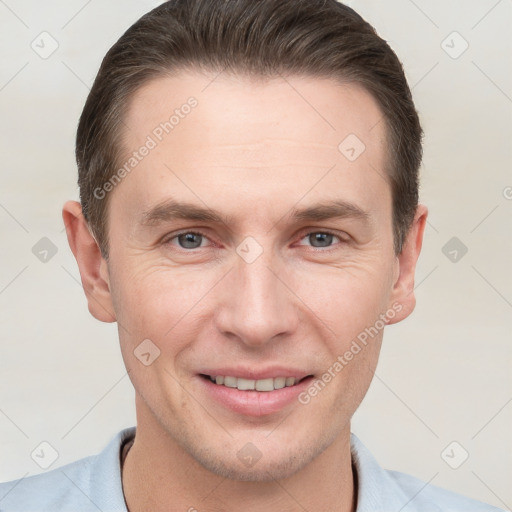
(242, 384)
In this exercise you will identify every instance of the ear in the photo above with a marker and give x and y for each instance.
(403, 288)
(93, 267)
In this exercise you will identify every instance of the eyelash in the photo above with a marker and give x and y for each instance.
(304, 235)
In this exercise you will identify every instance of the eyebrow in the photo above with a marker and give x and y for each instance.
(170, 210)
(336, 209)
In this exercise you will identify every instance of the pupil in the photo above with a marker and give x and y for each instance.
(190, 240)
(320, 239)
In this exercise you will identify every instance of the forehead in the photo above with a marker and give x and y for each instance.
(307, 109)
(235, 138)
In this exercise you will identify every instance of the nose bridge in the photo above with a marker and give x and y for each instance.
(256, 307)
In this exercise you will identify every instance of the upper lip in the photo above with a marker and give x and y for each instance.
(256, 374)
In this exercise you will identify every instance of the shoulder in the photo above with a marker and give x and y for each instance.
(47, 491)
(89, 484)
(429, 497)
(381, 490)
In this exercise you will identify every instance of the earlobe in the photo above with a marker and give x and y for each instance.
(93, 267)
(403, 288)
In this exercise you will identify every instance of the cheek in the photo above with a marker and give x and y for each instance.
(159, 302)
(165, 307)
(345, 299)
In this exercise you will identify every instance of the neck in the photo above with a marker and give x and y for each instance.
(159, 475)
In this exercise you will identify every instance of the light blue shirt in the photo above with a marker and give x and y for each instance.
(94, 484)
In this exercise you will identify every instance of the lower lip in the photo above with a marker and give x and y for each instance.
(254, 403)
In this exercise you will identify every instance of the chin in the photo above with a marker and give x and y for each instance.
(271, 466)
(233, 469)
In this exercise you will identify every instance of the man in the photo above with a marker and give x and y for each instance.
(249, 217)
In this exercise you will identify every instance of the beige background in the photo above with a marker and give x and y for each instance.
(444, 374)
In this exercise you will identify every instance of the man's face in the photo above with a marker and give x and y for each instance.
(295, 264)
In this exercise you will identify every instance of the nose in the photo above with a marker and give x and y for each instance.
(256, 307)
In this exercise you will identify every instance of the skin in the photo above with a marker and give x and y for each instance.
(253, 150)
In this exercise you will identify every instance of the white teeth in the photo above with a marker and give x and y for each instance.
(290, 381)
(245, 384)
(258, 385)
(230, 382)
(264, 385)
(279, 382)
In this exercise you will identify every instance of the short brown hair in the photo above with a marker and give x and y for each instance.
(267, 38)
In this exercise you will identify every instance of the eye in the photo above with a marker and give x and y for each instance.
(320, 239)
(188, 240)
